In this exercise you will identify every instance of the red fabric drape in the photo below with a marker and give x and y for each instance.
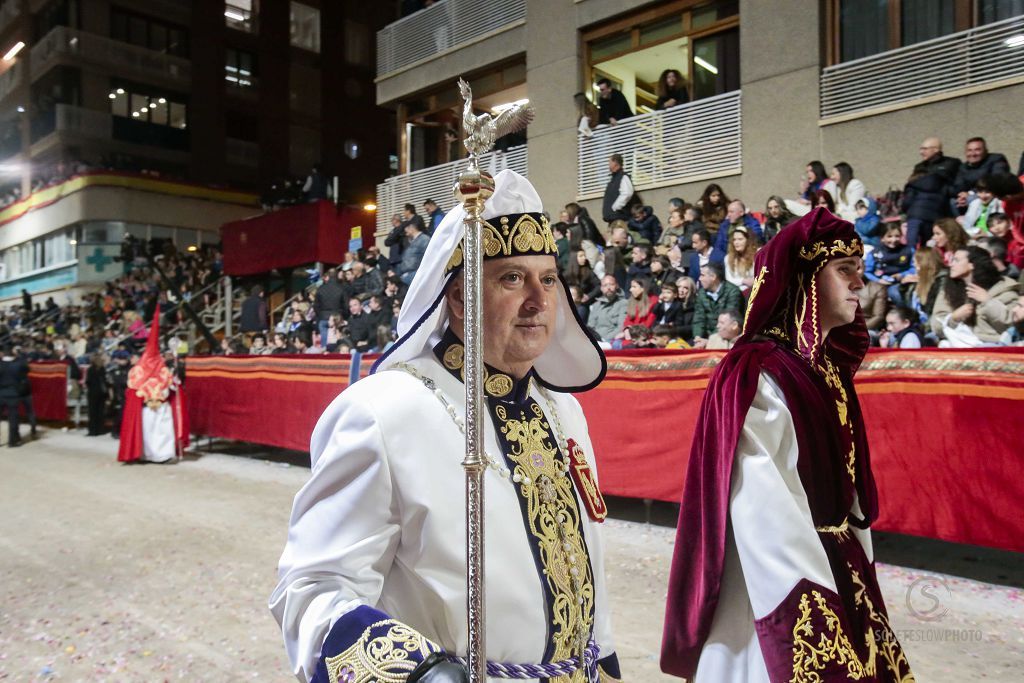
(944, 443)
(49, 381)
(291, 237)
(272, 400)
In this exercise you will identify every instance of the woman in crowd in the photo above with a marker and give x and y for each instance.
(976, 304)
(581, 274)
(824, 198)
(739, 259)
(848, 191)
(948, 237)
(585, 229)
(673, 232)
(96, 394)
(640, 305)
(714, 205)
(671, 90)
(814, 179)
(777, 216)
(687, 297)
(928, 281)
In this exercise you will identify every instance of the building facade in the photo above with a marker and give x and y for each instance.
(221, 94)
(772, 86)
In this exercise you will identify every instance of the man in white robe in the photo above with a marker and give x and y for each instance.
(373, 577)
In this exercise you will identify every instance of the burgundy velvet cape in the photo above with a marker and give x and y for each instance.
(782, 337)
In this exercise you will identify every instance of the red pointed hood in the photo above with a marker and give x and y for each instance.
(151, 379)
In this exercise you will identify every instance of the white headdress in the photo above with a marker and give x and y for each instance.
(572, 362)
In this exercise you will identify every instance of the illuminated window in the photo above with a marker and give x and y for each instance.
(241, 15)
(305, 27)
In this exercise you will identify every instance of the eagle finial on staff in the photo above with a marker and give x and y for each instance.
(483, 129)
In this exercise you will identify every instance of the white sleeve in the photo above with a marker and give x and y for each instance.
(343, 533)
(855, 191)
(771, 519)
(625, 192)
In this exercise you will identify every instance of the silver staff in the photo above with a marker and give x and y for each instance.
(473, 188)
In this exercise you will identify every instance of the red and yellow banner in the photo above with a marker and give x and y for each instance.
(943, 426)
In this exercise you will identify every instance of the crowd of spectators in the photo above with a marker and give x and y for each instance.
(942, 267)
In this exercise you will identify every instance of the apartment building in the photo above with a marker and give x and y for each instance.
(772, 85)
(210, 101)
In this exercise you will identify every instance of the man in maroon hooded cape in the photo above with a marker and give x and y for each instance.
(773, 576)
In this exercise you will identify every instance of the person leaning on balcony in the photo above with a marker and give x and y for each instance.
(927, 192)
(612, 104)
(618, 193)
(586, 113)
(671, 90)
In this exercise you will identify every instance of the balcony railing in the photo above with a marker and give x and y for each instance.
(437, 183)
(12, 78)
(86, 122)
(125, 58)
(441, 27)
(975, 57)
(683, 144)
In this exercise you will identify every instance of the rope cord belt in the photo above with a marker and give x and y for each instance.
(564, 667)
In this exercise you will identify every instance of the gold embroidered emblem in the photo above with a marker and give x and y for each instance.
(553, 517)
(383, 658)
(454, 357)
(526, 236)
(498, 385)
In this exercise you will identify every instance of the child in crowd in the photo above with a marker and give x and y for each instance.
(900, 330)
(984, 205)
(664, 337)
(868, 224)
(890, 263)
(669, 310)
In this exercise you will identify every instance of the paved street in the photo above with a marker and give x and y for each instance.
(151, 572)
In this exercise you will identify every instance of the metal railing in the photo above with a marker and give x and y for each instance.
(440, 27)
(698, 140)
(63, 41)
(986, 54)
(12, 78)
(437, 182)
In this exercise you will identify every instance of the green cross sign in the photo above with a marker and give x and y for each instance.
(99, 259)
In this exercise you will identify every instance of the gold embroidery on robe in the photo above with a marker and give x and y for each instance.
(553, 517)
(383, 658)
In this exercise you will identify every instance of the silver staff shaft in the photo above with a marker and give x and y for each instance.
(472, 190)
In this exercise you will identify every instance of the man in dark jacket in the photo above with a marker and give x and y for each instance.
(254, 312)
(434, 215)
(611, 103)
(395, 242)
(360, 327)
(928, 191)
(978, 163)
(618, 193)
(13, 374)
(327, 301)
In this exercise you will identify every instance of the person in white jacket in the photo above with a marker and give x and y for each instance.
(372, 579)
(848, 191)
